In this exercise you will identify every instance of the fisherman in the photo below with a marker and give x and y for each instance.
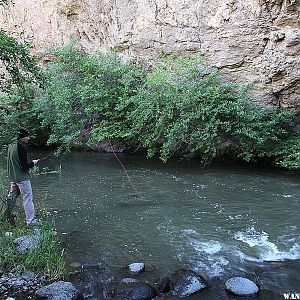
(18, 172)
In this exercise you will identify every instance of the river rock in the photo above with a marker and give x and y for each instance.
(130, 288)
(163, 285)
(186, 282)
(136, 268)
(10, 281)
(28, 275)
(241, 286)
(15, 283)
(59, 290)
(27, 242)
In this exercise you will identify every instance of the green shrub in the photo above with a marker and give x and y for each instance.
(20, 77)
(17, 61)
(82, 89)
(286, 153)
(16, 111)
(176, 108)
(183, 110)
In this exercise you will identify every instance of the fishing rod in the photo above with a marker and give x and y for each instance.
(129, 179)
(45, 157)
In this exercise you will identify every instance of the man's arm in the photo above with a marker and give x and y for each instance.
(23, 158)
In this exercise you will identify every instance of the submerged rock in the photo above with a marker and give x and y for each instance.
(136, 268)
(128, 280)
(59, 290)
(75, 264)
(130, 288)
(241, 286)
(163, 285)
(186, 283)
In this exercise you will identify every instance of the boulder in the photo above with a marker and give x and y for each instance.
(60, 290)
(27, 242)
(136, 268)
(129, 288)
(186, 282)
(241, 286)
(163, 285)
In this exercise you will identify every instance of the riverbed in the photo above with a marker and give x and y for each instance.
(220, 221)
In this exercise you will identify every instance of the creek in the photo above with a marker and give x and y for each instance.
(222, 221)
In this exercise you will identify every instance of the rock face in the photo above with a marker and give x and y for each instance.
(249, 41)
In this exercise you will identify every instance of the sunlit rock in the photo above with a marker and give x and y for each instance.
(15, 283)
(28, 275)
(136, 268)
(186, 282)
(241, 286)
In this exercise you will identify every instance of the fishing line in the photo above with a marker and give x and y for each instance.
(119, 161)
(136, 191)
(45, 157)
(39, 200)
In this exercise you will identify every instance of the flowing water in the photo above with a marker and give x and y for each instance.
(221, 221)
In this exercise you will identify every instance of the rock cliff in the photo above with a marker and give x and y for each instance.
(249, 41)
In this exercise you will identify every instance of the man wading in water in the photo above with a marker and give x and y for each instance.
(18, 172)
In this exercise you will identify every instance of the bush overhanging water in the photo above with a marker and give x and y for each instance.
(176, 108)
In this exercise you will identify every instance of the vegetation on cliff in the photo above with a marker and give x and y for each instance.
(19, 77)
(174, 108)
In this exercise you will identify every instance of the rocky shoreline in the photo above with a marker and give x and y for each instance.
(179, 284)
(96, 284)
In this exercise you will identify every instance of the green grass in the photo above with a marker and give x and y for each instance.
(46, 259)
